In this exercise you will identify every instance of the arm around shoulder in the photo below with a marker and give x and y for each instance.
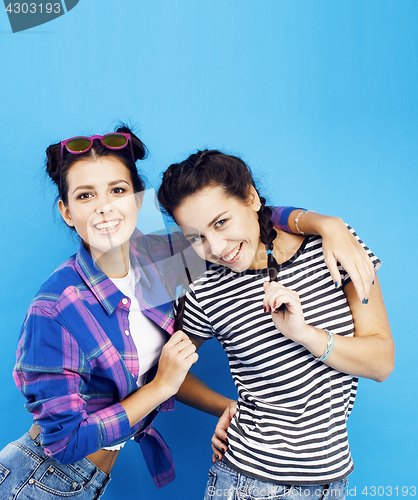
(339, 245)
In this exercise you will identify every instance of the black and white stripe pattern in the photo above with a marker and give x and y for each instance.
(291, 424)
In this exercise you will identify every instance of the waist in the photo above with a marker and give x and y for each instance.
(102, 459)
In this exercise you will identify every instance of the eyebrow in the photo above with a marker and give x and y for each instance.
(110, 184)
(216, 218)
(210, 224)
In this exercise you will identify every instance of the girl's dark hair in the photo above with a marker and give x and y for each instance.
(213, 168)
(58, 170)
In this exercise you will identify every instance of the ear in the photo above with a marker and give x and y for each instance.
(254, 199)
(65, 213)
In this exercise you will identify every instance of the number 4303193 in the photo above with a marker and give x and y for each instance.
(389, 491)
(33, 8)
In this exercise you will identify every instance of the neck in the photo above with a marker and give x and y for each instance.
(260, 258)
(114, 263)
(285, 246)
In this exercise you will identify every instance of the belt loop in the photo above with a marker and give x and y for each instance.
(35, 434)
(102, 488)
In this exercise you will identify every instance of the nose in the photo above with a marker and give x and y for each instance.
(103, 207)
(216, 245)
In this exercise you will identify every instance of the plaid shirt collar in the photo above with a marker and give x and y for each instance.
(100, 285)
(155, 300)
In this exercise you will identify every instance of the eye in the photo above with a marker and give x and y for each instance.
(119, 190)
(196, 239)
(220, 223)
(84, 196)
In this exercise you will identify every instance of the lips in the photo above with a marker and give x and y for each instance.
(107, 226)
(231, 257)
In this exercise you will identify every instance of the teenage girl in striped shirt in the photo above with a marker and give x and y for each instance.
(297, 335)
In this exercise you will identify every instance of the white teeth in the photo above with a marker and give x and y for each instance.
(107, 226)
(231, 257)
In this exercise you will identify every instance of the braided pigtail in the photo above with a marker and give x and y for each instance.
(268, 235)
(178, 323)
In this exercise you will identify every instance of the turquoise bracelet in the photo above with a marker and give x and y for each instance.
(329, 347)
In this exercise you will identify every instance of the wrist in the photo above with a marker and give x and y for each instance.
(310, 222)
(161, 390)
(230, 403)
(326, 224)
(316, 341)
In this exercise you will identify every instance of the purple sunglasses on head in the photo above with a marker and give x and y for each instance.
(81, 144)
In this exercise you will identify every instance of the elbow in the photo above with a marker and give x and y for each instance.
(385, 369)
(384, 374)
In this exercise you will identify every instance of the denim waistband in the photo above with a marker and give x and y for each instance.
(90, 475)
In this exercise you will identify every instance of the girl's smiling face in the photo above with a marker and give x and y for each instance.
(102, 205)
(222, 229)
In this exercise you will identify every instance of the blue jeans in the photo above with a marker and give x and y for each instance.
(27, 473)
(228, 484)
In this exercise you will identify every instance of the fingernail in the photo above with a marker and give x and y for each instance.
(365, 301)
(336, 284)
(373, 282)
(265, 310)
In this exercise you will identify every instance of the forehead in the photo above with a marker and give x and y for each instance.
(94, 171)
(196, 210)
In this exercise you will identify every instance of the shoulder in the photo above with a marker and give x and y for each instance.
(145, 242)
(63, 279)
(214, 277)
(159, 243)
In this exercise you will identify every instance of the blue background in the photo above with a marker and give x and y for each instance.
(320, 97)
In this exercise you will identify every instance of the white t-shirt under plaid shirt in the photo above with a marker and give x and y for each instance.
(290, 427)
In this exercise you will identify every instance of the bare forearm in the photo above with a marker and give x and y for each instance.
(370, 356)
(139, 404)
(177, 356)
(339, 245)
(371, 352)
(197, 394)
(313, 223)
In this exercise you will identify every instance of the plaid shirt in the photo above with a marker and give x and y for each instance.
(76, 359)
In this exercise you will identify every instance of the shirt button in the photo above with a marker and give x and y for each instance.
(124, 300)
(127, 333)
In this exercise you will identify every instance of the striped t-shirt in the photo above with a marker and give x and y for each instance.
(290, 427)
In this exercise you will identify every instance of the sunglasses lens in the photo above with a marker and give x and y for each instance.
(115, 140)
(78, 145)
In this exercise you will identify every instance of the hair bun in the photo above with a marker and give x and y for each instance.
(139, 148)
(53, 159)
